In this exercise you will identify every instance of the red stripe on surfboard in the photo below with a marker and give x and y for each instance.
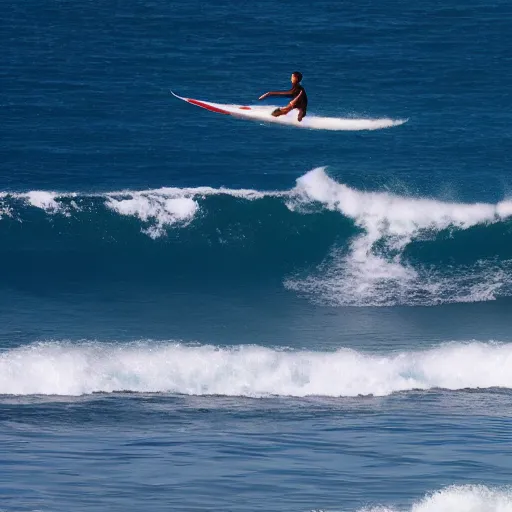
(244, 108)
(208, 107)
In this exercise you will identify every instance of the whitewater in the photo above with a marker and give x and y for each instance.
(62, 368)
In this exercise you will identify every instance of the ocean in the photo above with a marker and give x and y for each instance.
(200, 312)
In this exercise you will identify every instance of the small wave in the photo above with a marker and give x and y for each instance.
(61, 368)
(380, 214)
(456, 498)
(158, 209)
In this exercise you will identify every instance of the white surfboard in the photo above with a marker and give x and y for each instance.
(264, 114)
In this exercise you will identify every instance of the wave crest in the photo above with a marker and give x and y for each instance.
(370, 265)
(372, 270)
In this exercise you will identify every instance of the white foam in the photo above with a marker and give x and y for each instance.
(458, 498)
(75, 369)
(49, 202)
(381, 212)
(175, 192)
(163, 210)
(44, 200)
(168, 206)
(158, 208)
(6, 211)
(373, 272)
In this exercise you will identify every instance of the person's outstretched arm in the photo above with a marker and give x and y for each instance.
(289, 93)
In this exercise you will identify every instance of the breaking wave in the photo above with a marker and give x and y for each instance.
(63, 368)
(379, 249)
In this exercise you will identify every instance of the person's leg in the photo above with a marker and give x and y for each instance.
(302, 114)
(282, 111)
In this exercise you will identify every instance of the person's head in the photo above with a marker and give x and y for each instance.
(296, 77)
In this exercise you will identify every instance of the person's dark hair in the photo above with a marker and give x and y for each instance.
(298, 75)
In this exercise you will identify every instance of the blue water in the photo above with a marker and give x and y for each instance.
(199, 312)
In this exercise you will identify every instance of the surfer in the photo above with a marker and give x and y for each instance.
(299, 101)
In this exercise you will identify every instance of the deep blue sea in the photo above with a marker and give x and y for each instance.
(200, 312)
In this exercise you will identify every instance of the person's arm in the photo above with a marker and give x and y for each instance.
(289, 93)
(296, 99)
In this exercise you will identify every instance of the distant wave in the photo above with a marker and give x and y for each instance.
(61, 368)
(455, 498)
(380, 246)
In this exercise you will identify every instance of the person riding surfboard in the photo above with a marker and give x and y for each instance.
(297, 92)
